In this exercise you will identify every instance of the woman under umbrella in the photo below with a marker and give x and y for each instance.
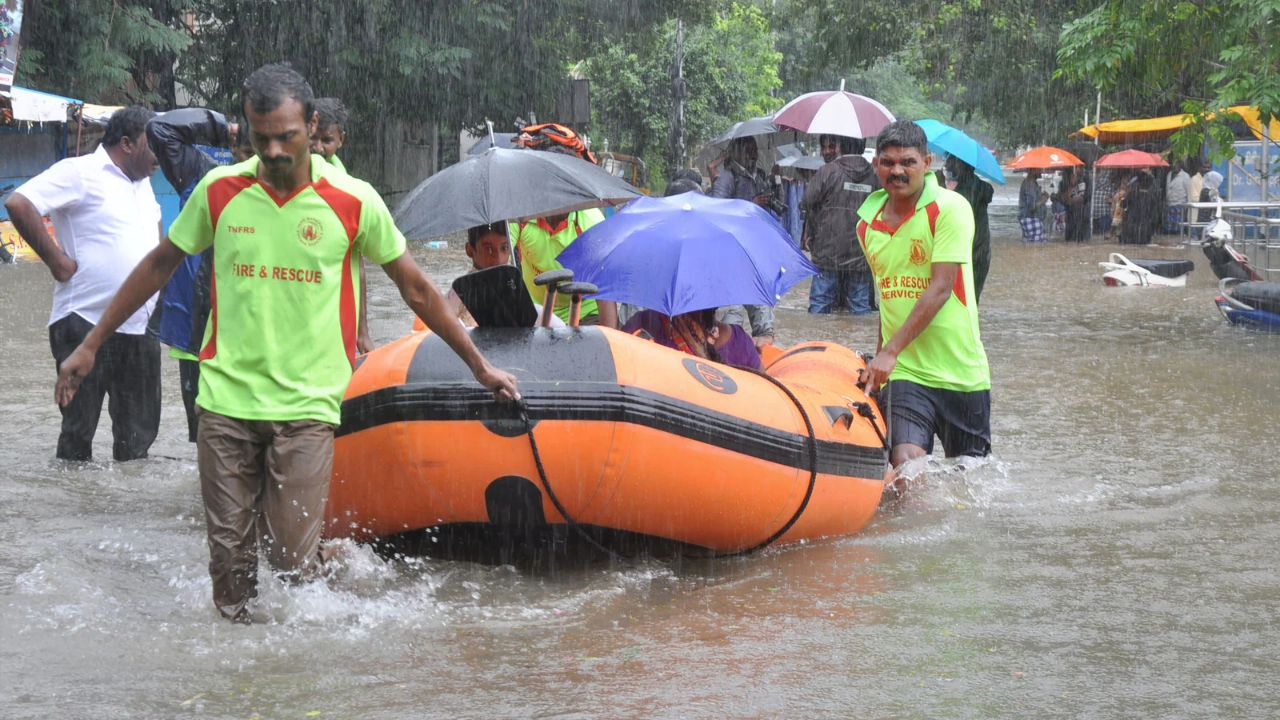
(698, 333)
(1141, 212)
(1073, 193)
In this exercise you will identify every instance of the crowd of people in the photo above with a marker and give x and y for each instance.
(263, 303)
(1130, 205)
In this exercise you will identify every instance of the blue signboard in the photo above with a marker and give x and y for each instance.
(1241, 172)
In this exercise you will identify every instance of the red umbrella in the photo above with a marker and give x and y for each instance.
(1044, 158)
(1131, 159)
(836, 113)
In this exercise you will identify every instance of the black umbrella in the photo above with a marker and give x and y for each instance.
(503, 185)
(769, 139)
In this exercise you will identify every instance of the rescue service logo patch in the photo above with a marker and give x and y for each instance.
(310, 231)
(918, 255)
(710, 377)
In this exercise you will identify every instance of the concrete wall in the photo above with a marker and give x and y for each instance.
(25, 154)
(394, 158)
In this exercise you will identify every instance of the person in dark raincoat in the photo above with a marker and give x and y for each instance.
(831, 203)
(979, 194)
(185, 304)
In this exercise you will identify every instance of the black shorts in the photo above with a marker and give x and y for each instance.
(917, 413)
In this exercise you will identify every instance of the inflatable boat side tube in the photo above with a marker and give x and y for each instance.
(573, 378)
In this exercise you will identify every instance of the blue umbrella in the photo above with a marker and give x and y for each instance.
(688, 252)
(945, 139)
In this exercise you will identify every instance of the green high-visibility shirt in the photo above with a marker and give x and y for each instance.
(280, 343)
(948, 354)
(540, 244)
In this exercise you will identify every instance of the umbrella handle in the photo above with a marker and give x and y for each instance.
(551, 280)
(577, 290)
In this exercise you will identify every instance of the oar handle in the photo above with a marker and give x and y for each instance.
(577, 290)
(551, 280)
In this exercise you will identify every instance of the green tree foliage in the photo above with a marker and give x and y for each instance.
(103, 51)
(452, 61)
(1179, 56)
(989, 59)
(730, 68)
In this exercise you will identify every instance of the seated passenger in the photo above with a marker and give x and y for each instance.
(697, 333)
(487, 246)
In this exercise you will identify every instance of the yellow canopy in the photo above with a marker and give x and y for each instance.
(1133, 131)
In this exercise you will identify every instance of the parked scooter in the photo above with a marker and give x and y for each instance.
(1224, 260)
(1245, 298)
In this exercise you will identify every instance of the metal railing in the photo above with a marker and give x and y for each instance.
(1255, 230)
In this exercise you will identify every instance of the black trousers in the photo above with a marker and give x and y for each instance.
(189, 375)
(127, 370)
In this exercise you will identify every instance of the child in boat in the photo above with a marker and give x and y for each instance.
(488, 246)
(697, 333)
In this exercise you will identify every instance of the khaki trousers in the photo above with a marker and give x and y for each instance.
(265, 482)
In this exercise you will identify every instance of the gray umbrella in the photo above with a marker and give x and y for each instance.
(769, 138)
(503, 185)
(502, 140)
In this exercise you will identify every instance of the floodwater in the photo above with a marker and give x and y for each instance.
(1117, 558)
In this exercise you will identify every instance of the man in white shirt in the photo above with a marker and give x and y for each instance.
(106, 219)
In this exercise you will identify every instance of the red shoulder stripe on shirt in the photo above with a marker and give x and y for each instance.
(222, 191)
(932, 210)
(862, 234)
(958, 287)
(211, 348)
(347, 207)
(347, 310)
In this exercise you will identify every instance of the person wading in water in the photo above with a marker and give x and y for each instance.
(279, 349)
(930, 359)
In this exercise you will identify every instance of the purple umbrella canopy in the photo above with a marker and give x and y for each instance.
(688, 252)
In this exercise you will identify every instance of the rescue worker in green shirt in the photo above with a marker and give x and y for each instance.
(279, 347)
(540, 242)
(918, 239)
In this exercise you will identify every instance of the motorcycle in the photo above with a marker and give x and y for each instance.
(1244, 298)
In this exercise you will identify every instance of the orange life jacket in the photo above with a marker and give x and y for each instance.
(548, 135)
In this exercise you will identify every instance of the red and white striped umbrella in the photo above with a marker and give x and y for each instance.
(834, 112)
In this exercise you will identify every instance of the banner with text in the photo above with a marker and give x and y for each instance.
(10, 32)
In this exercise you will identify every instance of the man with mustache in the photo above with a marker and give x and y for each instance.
(918, 238)
(280, 344)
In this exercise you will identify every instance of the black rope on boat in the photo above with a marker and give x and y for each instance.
(546, 485)
(795, 517)
(813, 467)
(864, 409)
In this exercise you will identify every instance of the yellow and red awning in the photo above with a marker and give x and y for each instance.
(1160, 128)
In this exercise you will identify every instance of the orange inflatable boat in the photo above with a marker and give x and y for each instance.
(632, 439)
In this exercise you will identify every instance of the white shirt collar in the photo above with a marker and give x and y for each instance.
(107, 163)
